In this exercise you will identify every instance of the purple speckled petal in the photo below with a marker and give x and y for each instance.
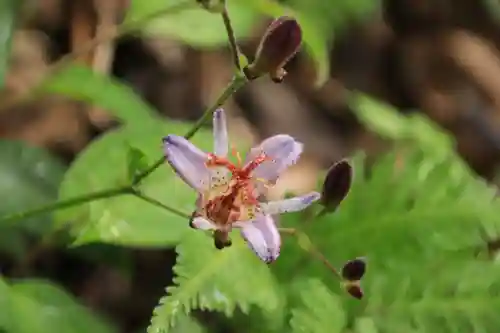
(284, 151)
(262, 237)
(221, 142)
(290, 205)
(187, 160)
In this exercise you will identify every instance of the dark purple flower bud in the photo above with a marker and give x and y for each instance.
(354, 289)
(279, 44)
(221, 239)
(354, 270)
(336, 185)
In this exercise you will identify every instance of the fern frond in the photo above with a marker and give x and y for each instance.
(459, 296)
(407, 205)
(217, 280)
(320, 310)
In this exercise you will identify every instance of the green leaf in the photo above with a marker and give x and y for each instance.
(320, 310)
(29, 177)
(81, 83)
(9, 9)
(442, 296)
(218, 280)
(36, 306)
(136, 163)
(194, 26)
(386, 121)
(127, 219)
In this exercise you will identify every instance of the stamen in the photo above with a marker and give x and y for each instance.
(214, 160)
(261, 158)
(267, 184)
(236, 154)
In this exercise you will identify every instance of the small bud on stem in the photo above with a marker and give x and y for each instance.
(336, 185)
(352, 272)
(279, 44)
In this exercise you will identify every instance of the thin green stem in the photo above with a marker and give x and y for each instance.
(58, 205)
(236, 83)
(305, 243)
(235, 52)
(161, 205)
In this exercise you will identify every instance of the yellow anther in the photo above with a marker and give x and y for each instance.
(264, 182)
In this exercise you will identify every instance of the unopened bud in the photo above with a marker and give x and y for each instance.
(336, 185)
(354, 270)
(279, 44)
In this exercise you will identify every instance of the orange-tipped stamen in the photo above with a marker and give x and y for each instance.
(236, 154)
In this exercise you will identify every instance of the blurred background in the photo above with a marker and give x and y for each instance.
(437, 57)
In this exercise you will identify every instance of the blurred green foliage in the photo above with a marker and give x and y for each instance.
(319, 20)
(418, 214)
(9, 9)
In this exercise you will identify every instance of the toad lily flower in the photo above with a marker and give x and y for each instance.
(228, 194)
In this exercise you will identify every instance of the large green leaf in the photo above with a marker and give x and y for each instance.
(219, 280)
(36, 306)
(81, 83)
(29, 177)
(194, 26)
(9, 10)
(126, 219)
